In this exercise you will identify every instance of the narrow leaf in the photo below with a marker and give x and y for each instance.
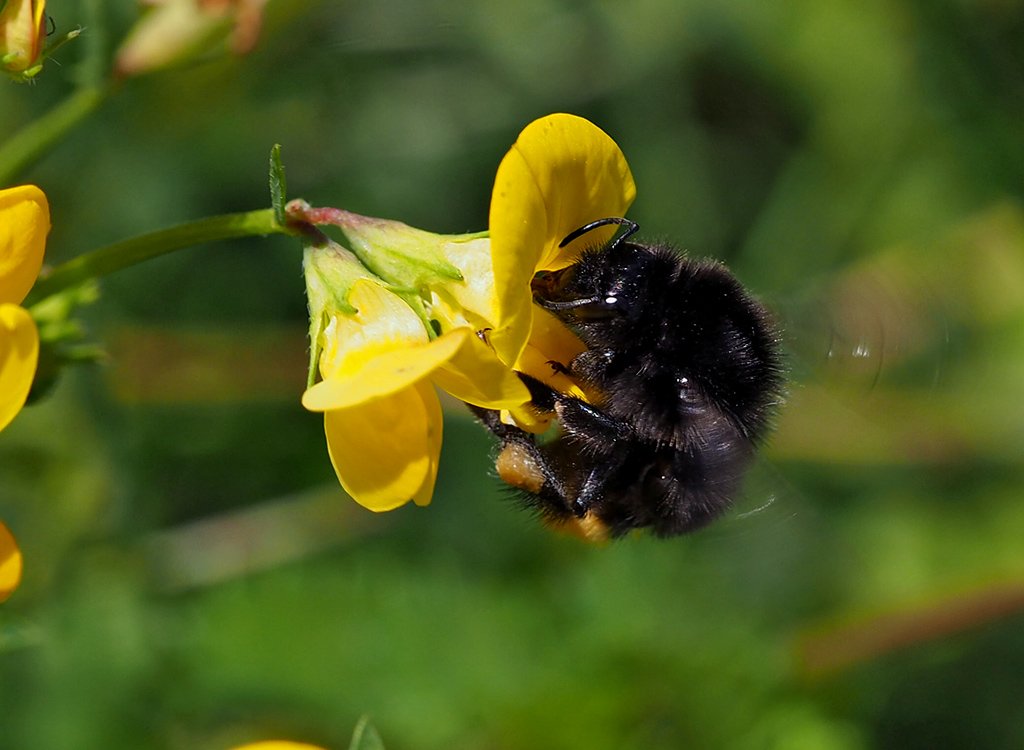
(278, 187)
(365, 736)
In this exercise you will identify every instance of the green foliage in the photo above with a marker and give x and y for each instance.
(193, 572)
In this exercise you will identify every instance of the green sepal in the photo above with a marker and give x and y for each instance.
(278, 184)
(401, 254)
(63, 341)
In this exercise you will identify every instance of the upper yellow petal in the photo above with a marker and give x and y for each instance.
(562, 173)
(519, 232)
(384, 373)
(24, 224)
(385, 451)
(10, 563)
(19, 353)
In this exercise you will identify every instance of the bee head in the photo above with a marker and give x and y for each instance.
(604, 286)
(599, 291)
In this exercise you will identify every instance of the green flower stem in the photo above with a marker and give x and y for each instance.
(127, 253)
(35, 139)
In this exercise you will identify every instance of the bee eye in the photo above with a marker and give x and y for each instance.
(589, 306)
(599, 309)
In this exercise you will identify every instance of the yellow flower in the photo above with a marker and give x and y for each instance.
(22, 31)
(171, 32)
(10, 563)
(562, 173)
(24, 224)
(382, 417)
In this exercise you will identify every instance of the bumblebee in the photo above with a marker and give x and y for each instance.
(682, 373)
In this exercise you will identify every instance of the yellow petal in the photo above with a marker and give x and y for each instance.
(474, 294)
(385, 451)
(24, 224)
(435, 433)
(476, 375)
(19, 353)
(10, 563)
(519, 231)
(382, 322)
(384, 374)
(562, 172)
(551, 344)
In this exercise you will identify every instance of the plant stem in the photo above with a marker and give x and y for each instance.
(33, 141)
(129, 252)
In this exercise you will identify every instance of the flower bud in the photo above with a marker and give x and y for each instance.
(173, 32)
(22, 31)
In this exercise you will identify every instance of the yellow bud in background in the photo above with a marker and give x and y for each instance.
(22, 30)
(172, 32)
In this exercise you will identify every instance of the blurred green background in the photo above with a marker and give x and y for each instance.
(196, 578)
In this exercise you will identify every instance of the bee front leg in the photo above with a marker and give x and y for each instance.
(590, 425)
(591, 366)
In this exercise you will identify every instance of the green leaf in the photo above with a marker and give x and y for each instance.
(365, 736)
(278, 186)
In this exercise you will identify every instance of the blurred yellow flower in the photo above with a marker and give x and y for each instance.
(22, 32)
(278, 745)
(10, 563)
(172, 32)
(24, 224)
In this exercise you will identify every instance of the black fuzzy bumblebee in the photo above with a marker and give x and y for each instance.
(681, 372)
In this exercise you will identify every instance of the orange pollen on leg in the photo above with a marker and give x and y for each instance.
(518, 468)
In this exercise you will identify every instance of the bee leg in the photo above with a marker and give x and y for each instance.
(522, 464)
(591, 492)
(558, 368)
(605, 440)
(591, 425)
(591, 365)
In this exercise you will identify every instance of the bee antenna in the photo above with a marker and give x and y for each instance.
(631, 228)
(568, 305)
